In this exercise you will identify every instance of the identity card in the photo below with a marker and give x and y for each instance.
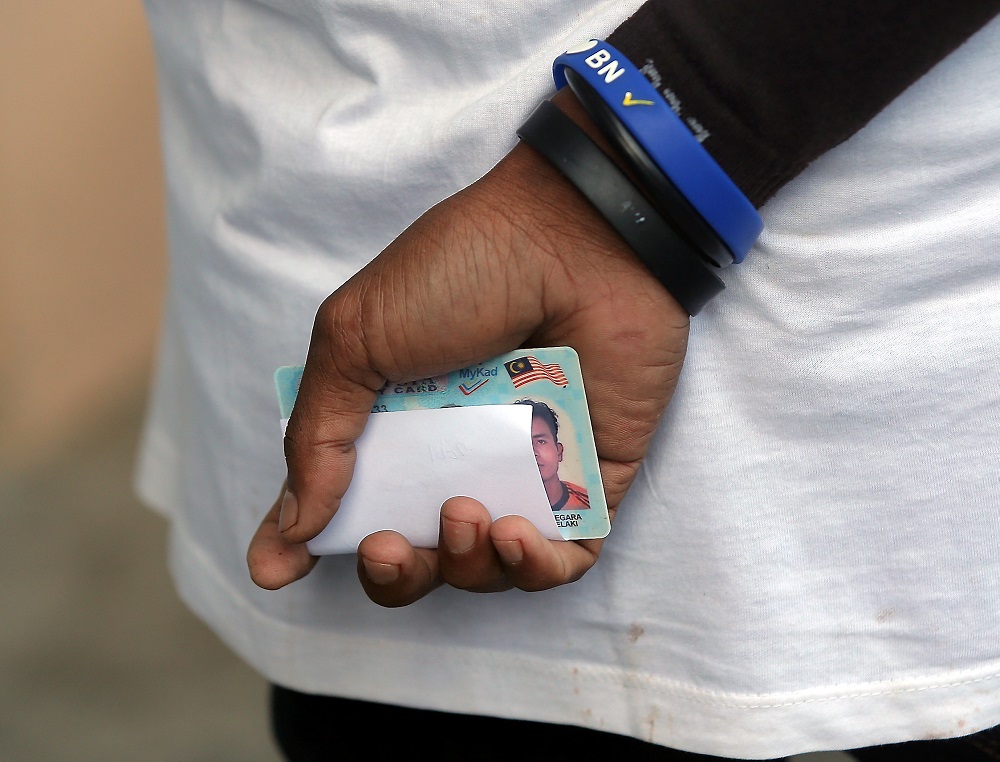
(513, 432)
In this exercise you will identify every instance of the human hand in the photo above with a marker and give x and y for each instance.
(524, 260)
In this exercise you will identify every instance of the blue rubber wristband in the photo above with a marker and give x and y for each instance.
(666, 140)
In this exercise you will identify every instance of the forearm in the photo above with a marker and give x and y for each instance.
(770, 85)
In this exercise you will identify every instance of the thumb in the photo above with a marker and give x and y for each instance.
(335, 396)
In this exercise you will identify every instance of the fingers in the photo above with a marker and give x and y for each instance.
(392, 572)
(483, 556)
(474, 554)
(273, 561)
(533, 563)
(466, 554)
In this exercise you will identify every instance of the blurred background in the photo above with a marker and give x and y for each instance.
(98, 658)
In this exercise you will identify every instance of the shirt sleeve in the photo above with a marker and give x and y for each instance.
(769, 85)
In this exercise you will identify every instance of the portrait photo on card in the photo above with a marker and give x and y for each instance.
(557, 455)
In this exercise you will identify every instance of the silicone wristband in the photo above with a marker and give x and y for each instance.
(666, 140)
(657, 185)
(670, 257)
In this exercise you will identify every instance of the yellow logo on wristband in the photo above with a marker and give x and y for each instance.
(628, 100)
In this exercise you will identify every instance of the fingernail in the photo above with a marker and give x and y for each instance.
(459, 536)
(510, 551)
(289, 511)
(380, 574)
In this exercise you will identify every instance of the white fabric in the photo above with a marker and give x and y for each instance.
(810, 558)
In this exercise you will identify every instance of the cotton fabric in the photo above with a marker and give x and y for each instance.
(810, 557)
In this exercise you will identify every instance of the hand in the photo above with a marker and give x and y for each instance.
(519, 258)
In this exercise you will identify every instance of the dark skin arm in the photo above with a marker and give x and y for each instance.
(546, 270)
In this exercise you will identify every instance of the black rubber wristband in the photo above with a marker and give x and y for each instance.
(650, 178)
(671, 258)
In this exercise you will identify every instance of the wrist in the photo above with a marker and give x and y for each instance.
(673, 165)
(546, 203)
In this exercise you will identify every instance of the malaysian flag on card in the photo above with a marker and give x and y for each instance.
(524, 370)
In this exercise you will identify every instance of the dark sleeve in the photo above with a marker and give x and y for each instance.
(769, 85)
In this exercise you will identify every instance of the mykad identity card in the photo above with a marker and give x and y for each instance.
(513, 432)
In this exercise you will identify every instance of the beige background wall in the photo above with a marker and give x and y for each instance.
(98, 657)
(81, 230)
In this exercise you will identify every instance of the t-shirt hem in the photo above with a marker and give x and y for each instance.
(622, 701)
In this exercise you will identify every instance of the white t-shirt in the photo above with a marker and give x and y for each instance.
(810, 557)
